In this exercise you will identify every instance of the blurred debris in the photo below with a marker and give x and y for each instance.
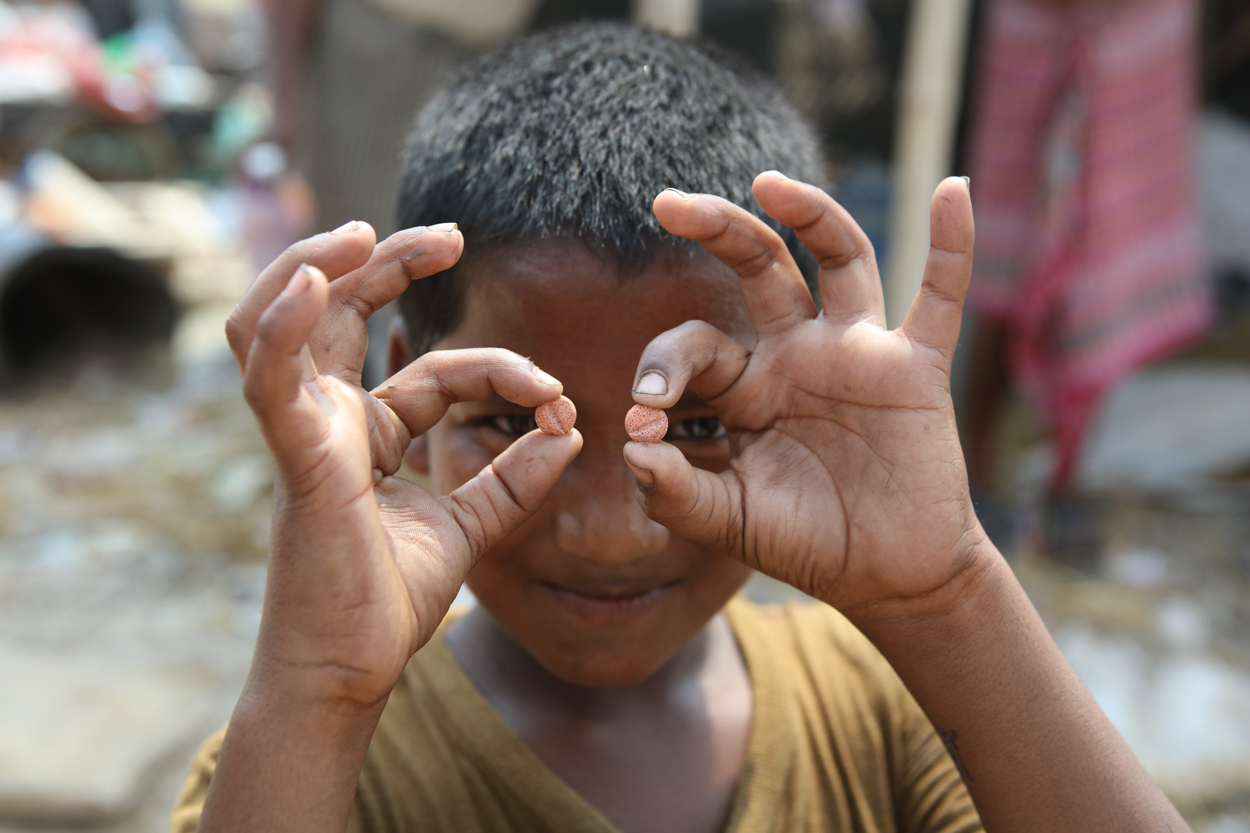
(1224, 181)
(1139, 568)
(51, 54)
(92, 269)
(1171, 430)
(1185, 715)
(69, 207)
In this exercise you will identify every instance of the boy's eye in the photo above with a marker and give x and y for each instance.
(517, 425)
(698, 428)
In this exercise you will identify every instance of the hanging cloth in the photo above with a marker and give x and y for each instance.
(1089, 250)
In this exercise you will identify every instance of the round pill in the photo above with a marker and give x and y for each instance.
(556, 417)
(646, 425)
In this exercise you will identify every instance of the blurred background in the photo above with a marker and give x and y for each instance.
(154, 154)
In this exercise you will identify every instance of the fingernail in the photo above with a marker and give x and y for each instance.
(779, 174)
(348, 227)
(299, 282)
(645, 478)
(967, 183)
(545, 377)
(652, 383)
(681, 194)
(444, 227)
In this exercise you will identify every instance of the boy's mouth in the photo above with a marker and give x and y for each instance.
(610, 605)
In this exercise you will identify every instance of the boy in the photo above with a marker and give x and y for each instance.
(606, 681)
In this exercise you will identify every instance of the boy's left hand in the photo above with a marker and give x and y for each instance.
(847, 479)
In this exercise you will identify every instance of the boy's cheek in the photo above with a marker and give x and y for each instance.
(456, 455)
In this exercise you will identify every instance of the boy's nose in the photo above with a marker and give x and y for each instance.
(600, 518)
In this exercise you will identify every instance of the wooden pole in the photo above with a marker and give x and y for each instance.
(928, 114)
(679, 18)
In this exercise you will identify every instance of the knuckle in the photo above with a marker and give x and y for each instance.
(695, 329)
(236, 335)
(755, 262)
(814, 209)
(679, 341)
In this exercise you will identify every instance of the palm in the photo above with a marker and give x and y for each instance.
(846, 460)
(850, 453)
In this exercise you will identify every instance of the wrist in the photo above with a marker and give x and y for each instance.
(956, 610)
(317, 678)
(288, 761)
(304, 712)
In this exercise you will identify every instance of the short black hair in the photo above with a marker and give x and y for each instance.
(572, 132)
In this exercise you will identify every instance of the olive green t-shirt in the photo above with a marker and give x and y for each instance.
(836, 744)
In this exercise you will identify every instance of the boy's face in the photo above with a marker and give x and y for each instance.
(592, 588)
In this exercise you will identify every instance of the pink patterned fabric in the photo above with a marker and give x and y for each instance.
(1088, 245)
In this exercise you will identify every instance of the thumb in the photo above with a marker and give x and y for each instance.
(693, 503)
(511, 489)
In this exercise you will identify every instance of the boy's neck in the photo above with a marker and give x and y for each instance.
(662, 755)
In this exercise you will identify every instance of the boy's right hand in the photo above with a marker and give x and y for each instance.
(364, 565)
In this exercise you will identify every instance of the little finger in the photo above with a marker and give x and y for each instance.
(936, 312)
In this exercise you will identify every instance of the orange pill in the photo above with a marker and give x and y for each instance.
(646, 425)
(556, 417)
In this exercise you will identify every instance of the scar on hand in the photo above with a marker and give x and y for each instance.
(950, 741)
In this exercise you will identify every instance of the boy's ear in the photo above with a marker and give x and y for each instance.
(398, 351)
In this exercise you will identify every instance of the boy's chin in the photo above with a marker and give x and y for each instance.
(620, 660)
(604, 670)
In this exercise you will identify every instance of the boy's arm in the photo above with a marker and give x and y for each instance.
(848, 482)
(1035, 750)
(362, 565)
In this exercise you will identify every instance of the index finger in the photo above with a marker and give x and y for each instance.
(421, 392)
(340, 339)
(776, 295)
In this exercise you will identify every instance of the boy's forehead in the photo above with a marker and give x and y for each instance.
(522, 283)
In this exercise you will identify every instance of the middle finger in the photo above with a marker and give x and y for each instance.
(340, 338)
(776, 295)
